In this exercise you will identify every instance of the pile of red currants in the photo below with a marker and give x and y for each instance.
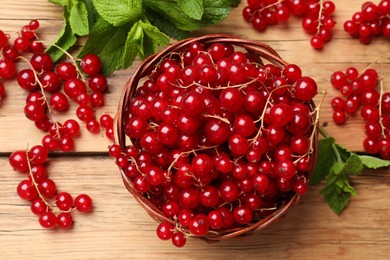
(372, 20)
(360, 91)
(219, 140)
(316, 14)
(50, 85)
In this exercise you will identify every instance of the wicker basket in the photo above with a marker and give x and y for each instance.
(261, 52)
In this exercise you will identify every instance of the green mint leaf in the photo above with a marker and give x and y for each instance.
(353, 165)
(234, 3)
(59, 2)
(119, 12)
(325, 161)
(192, 8)
(155, 34)
(92, 13)
(166, 26)
(149, 47)
(78, 19)
(214, 11)
(335, 171)
(65, 39)
(373, 162)
(338, 190)
(131, 49)
(344, 152)
(337, 201)
(108, 42)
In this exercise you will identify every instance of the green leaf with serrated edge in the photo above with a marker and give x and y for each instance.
(165, 25)
(65, 39)
(338, 190)
(119, 12)
(337, 201)
(155, 34)
(78, 19)
(353, 165)
(150, 46)
(192, 8)
(234, 3)
(348, 188)
(344, 152)
(325, 161)
(140, 44)
(92, 13)
(214, 11)
(131, 49)
(335, 172)
(373, 162)
(108, 42)
(59, 2)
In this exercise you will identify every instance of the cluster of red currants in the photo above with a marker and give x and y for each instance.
(218, 140)
(317, 16)
(360, 92)
(38, 189)
(373, 20)
(44, 78)
(81, 82)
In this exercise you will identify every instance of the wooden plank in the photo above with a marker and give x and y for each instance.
(290, 42)
(119, 228)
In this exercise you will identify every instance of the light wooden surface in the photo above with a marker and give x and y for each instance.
(120, 229)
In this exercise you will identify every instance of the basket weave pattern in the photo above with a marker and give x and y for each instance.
(261, 52)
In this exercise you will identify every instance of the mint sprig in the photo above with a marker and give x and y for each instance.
(120, 30)
(335, 164)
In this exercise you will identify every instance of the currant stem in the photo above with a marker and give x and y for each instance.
(218, 117)
(321, 3)
(264, 110)
(74, 61)
(269, 6)
(380, 107)
(325, 134)
(188, 152)
(42, 90)
(36, 184)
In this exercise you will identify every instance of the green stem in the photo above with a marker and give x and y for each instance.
(325, 134)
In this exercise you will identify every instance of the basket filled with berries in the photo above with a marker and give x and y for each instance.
(216, 137)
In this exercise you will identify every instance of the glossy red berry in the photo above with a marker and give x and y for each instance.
(91, 64)
(26, 190)
(83, 203)
(48, 220)
(165, 231)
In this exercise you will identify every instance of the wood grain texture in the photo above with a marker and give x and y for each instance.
(120, 229)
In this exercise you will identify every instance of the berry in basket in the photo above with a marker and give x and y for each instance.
(216, 137)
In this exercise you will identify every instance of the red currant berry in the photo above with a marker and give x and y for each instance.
(66, 70)
(91, 64)
(242, 215)
(83, 203)
(38, 206)
(165, 231)
(7, 69)
(48, 220)
(179, 239)
(26, 190)
(65, 220)
(19, 161)
(198, 225)
(305, 88)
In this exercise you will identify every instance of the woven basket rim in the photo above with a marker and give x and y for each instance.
(261, 49)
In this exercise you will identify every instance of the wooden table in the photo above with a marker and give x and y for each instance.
(120, 229)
